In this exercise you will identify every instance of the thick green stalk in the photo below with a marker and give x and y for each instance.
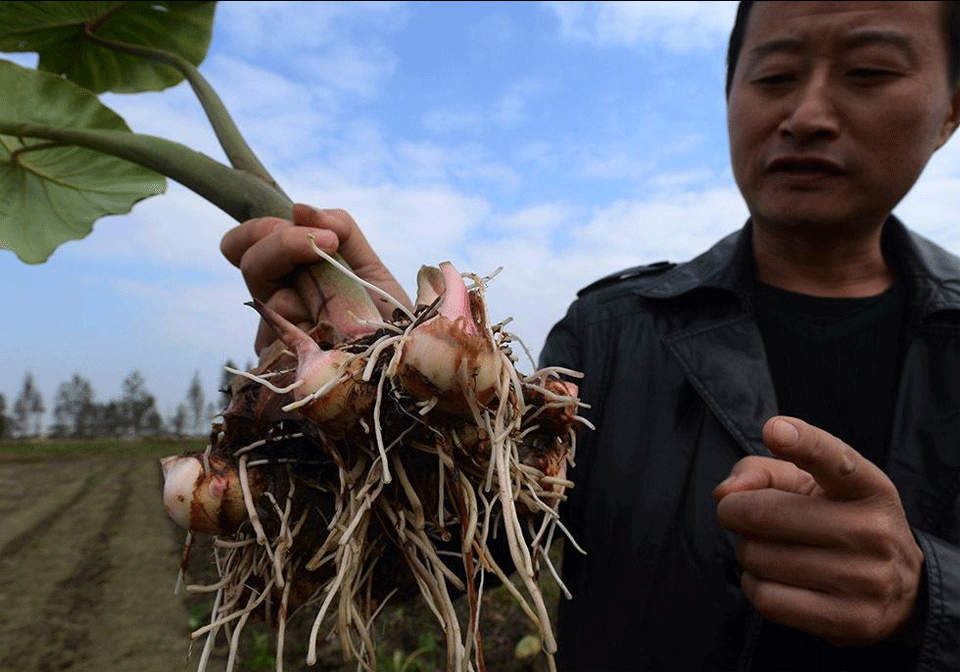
(240, 194)
(238, 152)
(327, 292)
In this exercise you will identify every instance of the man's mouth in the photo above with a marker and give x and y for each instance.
(801, 165)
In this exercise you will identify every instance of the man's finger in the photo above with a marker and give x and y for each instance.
(840, 471)
(776, 515)
(238, 240)
(758, 473)
(268, 263)
(829, 616)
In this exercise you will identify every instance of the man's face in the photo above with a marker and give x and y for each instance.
(835, 108)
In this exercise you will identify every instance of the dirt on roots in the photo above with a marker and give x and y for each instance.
(88, 566)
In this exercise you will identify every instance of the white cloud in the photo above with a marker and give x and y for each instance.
(338, 48)
(178, 229)
(512, 107)
(676, 26)
(673, 226)
(454, 118)
(272, 28)
(536, 224)
(508, 110)
(410, 226)
(206, 317)
(428, 161)
(348, 68)
(612, 163)
(931, 207)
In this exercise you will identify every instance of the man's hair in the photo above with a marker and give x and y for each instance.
(951, 27)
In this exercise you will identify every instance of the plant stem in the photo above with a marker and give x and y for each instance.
(238, 152)
(15, 156)
(240, 194)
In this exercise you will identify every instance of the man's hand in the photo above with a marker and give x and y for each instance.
(269, 250)
(824, 543)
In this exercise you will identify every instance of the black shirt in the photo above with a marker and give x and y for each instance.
(835, 361)
(835, 364)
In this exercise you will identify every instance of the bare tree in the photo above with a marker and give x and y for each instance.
(196, 402)
(75, 413)
(37, 409)
(136, 404)
(152, 423)
(179, 420)
(4, 421)
(109, 420)
(28, 409)
(212, 412)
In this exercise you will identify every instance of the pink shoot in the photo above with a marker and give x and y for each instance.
(448, 356)
(328, 387)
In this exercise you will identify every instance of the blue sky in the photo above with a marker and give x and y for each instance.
(560, 141)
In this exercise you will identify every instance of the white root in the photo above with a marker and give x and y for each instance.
(208, 645)
(251, 508)
(335, 379)
(379, 433)
(282, 624)
(478, 478)
(263, 381)
(373, 288)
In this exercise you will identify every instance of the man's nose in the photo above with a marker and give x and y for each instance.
(813, 113)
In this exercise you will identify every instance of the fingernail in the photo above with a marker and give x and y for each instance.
(725, 486)
(847, 464)
(783, 433)
(728, 481)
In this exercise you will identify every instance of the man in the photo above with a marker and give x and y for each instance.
(774, 481)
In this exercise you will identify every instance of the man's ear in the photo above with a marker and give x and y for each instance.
(952, 121)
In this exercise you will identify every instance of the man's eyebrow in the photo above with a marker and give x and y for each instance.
(877, 36)
(855, 40)
(776, 46)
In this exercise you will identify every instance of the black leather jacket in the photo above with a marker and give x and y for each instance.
(678, 385)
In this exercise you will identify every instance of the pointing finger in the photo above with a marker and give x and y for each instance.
(840, 471)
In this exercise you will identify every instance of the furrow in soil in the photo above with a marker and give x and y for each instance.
(55, 577)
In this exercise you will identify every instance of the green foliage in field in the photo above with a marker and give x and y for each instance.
(65, 449)
(424, 659)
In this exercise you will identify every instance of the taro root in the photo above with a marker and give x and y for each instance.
(360, 454)
(449, 356)
(203, 497)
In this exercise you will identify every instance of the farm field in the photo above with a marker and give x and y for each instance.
(89, 562)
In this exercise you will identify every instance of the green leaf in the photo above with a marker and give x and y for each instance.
(52, 194)
(56, 30)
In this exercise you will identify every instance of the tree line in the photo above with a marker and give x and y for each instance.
(78, 415)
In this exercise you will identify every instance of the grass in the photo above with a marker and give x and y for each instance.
(64, 449)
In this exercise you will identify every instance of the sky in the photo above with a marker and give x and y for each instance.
(559, 141)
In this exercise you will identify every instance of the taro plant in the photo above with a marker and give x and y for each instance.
(66, 159)
(357, 457)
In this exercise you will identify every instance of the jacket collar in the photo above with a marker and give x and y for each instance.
(728, 266)
(721, 352)
(932, 274)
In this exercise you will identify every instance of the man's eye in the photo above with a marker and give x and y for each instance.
(868, 75)
(775, 79)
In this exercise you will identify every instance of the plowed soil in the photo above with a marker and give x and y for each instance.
(88, 564)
